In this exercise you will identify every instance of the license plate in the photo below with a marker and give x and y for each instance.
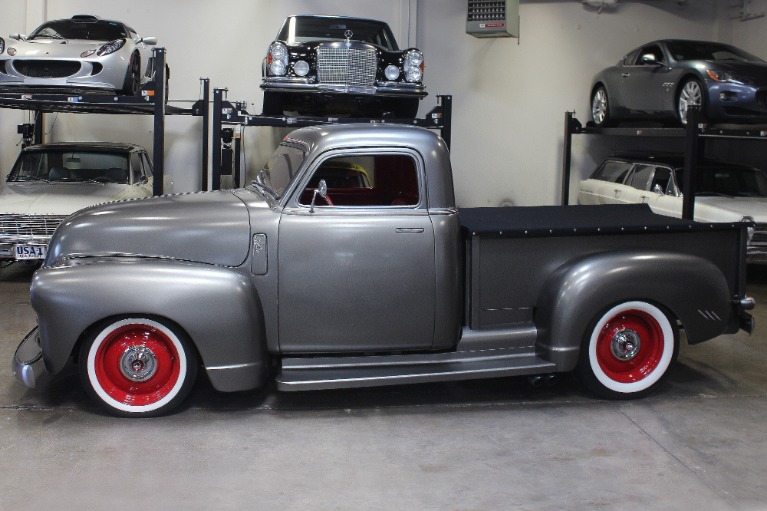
(22, 252)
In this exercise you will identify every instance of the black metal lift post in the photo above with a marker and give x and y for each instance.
(158, 152)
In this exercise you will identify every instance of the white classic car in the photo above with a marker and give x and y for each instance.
(725, 192)
(49, 182)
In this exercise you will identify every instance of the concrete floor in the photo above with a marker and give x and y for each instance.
(699, 443)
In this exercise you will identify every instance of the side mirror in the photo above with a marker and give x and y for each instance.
(649, 59)
(322, 191)
(151, 41)
(657, 189)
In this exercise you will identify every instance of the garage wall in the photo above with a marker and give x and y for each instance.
(509, 95)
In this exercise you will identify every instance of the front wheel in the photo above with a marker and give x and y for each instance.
(137, 367)
(600, 107)
(628, 351)
(690, 94)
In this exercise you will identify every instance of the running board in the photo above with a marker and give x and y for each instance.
(310, 373)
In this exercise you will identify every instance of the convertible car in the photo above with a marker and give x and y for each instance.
(332, 65)
(725, 192)
(49, 182)
(660, 80)
(83, 52)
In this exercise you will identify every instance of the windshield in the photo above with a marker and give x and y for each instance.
(300, 29)
(280, 170)
(694, 50)
(71, 165)
(731, 181)
(69, 29)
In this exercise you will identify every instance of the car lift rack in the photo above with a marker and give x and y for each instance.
(228, 113)
(82, 101)
(696, 133)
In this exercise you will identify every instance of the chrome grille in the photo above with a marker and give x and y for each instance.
(339, 65)
(759, 239)
(37, 229)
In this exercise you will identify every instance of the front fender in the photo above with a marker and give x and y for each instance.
(217, 307)
(691, 288)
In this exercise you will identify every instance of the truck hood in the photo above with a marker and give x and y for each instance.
(206, 227)
(734, 208)
(43, 198)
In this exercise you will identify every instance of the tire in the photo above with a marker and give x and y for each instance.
(137, 367)
(611, 367)
(132, 85)
(600, 107)
(690, 93)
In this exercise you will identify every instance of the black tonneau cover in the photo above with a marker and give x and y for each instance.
(563, 220)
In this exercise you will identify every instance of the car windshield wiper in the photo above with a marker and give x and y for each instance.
(47, 36)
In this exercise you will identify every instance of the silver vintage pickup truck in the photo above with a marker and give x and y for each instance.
(346, 263)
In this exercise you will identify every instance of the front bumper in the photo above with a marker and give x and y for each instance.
(104, 77)
(737, 102)
(28, 365)
(393, 89)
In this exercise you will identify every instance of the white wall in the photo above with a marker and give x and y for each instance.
(510, 95)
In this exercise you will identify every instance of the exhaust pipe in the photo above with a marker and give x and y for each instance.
(540, 381)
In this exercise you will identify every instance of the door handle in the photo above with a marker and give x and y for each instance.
(409, 230)
(644, 198)
(625, 75)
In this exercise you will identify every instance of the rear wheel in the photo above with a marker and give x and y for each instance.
(628, 351)
(137, 367)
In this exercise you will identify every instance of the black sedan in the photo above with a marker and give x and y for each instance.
(341, 66)
(660, 80)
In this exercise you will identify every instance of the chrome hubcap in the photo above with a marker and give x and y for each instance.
(690, 96)
(599, 107)
(625, 344)
(138, 363)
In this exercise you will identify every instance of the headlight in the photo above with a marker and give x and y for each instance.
(725, 76)
(278, 58)
(391, 72)
(413, 66)
(110, 47)
(11, 51)
(2, 45)
(301, 68)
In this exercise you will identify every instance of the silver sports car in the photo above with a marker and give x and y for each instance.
(83, 52)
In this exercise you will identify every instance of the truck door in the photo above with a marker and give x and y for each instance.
(357, 269)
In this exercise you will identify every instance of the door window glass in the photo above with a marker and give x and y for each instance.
(613, 171)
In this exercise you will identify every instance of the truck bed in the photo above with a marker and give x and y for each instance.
(563, 220)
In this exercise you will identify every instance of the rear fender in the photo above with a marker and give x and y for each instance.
(689, 288)
(217, 307)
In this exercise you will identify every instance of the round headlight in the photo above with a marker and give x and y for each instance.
(11, 51)
(278, 58)
(413, 66)
(301, 68)
(278, 67)
(391, 72)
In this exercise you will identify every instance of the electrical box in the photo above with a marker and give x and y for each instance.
(493, 18)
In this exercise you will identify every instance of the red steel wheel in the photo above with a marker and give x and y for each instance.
(138, 367)
(629, 350)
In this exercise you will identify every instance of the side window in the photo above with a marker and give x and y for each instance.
(613, 171)
(147, 165)
(135, 168)
(631, 58)
(387, 180)
(662, 182)
(642, 177)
